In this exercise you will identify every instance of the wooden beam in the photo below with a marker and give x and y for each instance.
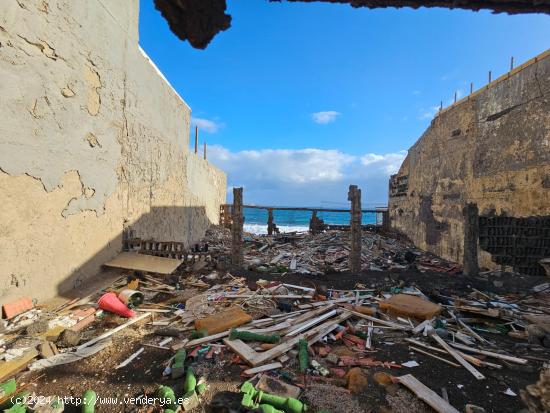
(254, 358)
(265, 367)
(457, 357)
(11, 367)
(114, 330)
(311, 323)
(426, 394)
(512, 359)
(434, 356)
(383, 322)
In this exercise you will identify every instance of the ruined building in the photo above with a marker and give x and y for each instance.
(94, 145)
(491, 149)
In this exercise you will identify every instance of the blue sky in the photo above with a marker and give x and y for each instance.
(299, 100)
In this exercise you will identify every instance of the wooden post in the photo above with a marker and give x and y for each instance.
(386, 225)
(441, 106)
(312, 222)
(512, 63)
(471, 235)
(270, 221)
(455, 96)
(354, 196)
(205, 151)
(471, 87)
(490, 76)
(237, 228)
(196, 139)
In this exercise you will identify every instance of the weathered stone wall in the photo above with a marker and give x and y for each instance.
(492, 149)
(93, 142)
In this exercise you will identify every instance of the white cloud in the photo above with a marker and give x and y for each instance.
(206, 125)
(325, 117)
(429, 113)
(388, 163)
(306, 176)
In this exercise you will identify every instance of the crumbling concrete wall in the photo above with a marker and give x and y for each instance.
(492, 148)
(93, 142)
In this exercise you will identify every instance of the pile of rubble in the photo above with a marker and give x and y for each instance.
(326, 252)
(286, 347)
(294, 347)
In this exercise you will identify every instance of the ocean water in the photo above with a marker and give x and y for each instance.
(255, 220)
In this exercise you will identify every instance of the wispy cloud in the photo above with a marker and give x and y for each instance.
(388, 163)
(428, 113)
(416, 92)
(207, 125)
(324, 117)
(306, 176)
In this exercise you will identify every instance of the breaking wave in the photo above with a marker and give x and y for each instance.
(262, 229)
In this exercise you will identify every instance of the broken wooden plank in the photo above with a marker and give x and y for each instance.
(299, 287)
(254, 358)
(458, 357)
(142, 262)
(265, 367)
(113, 331)
(199, 341)
(285, 296)
(426, 394)
(129, 359)
(466, 357)
(243, 350)
(311, 323)
(322, 334)
(11, 367)
(512, 359)
(418, 350)
(322, 303)
(379, 321)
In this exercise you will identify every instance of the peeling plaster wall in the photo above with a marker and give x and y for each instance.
(93, 142)
(492, 149)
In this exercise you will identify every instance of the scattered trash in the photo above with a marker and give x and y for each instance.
(295, 340)
(411, 363)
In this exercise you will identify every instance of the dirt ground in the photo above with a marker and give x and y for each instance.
(144, 374)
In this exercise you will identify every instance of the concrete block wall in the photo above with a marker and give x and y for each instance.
(492, 149)
(93, 142)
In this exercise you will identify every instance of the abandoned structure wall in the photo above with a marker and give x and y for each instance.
(492, 148)
(94, 143)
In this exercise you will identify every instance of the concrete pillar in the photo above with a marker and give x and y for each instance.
(205, 151)
(270, 222)
(471, 235)
(386, 223)
(237, 228)
(354, 196)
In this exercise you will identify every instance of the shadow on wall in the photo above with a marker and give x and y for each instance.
(182, 224)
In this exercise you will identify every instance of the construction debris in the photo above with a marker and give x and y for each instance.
(292, 338)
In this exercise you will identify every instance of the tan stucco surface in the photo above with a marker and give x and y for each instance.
(93, 142)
